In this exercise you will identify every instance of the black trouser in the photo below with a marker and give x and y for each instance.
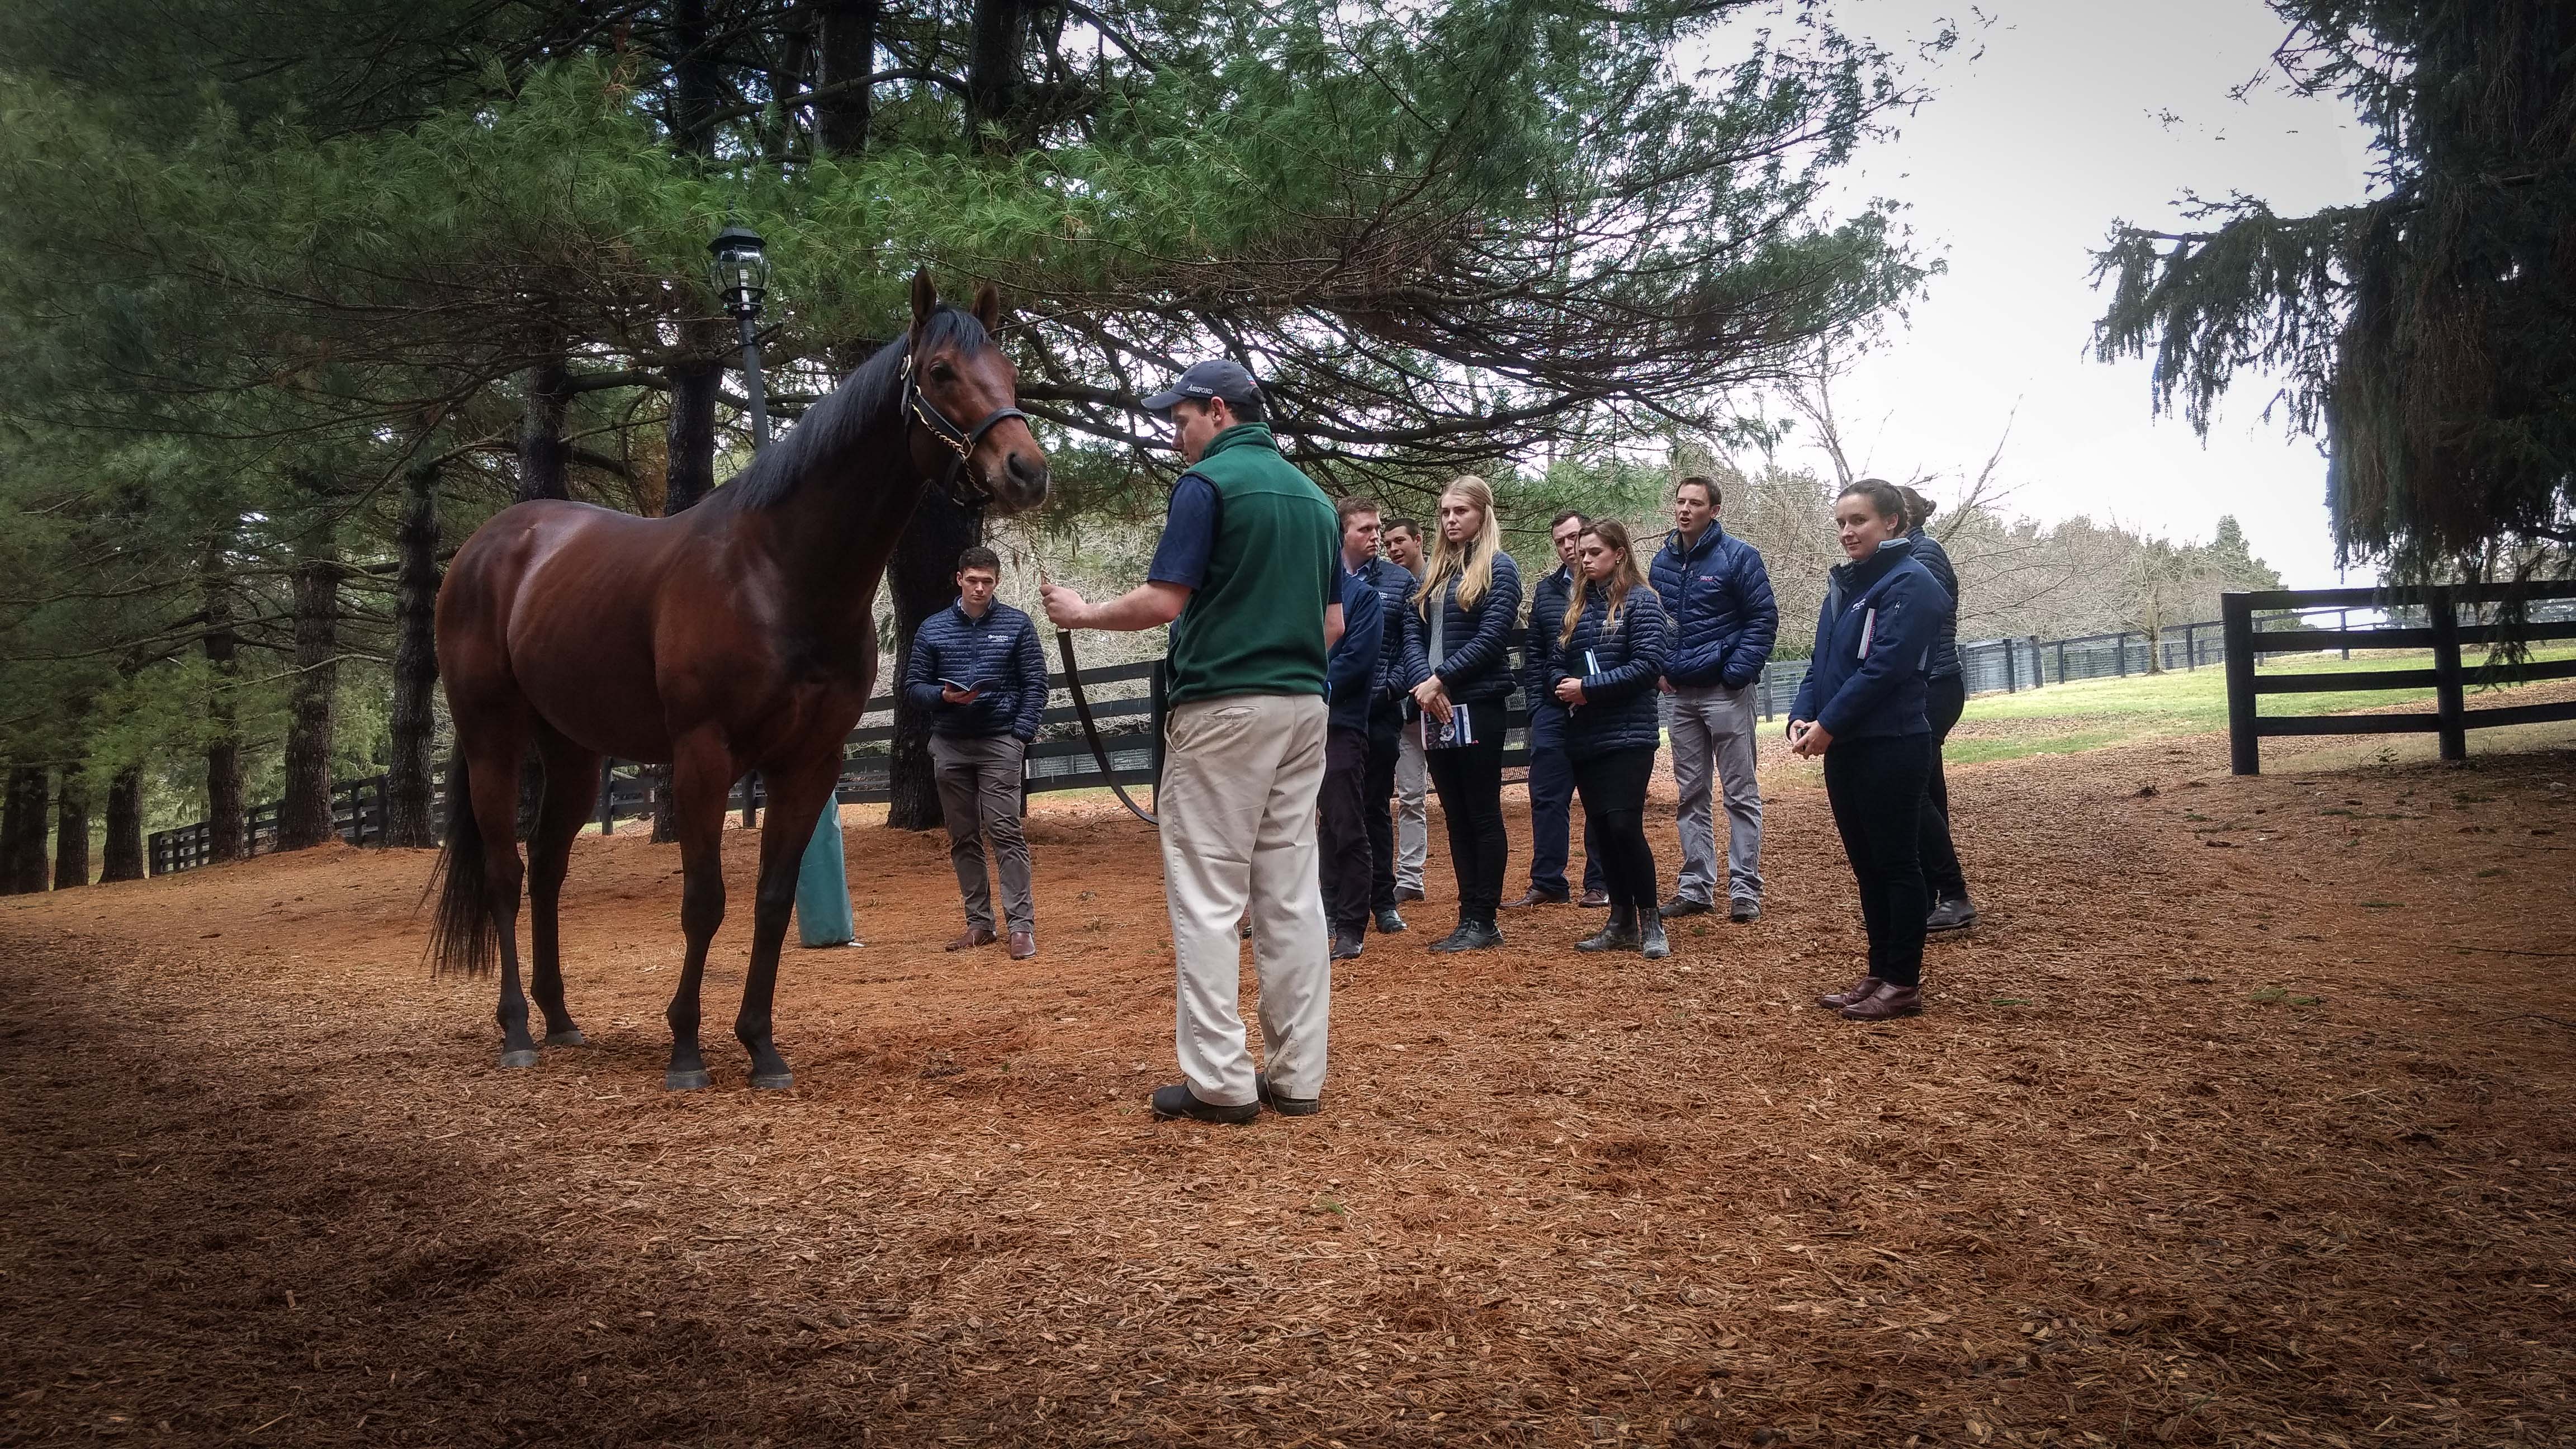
(1876, 786)
(1342, 830)
(1377, 794)
(1470, 781)
(1941, 873)
(1613, 786)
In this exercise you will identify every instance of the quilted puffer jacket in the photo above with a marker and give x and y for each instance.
(1477, 668)
(1718, 596)
(1618, 664)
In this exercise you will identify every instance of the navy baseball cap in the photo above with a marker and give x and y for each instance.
(1215, 378)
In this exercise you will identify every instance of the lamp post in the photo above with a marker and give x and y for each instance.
(740, 274)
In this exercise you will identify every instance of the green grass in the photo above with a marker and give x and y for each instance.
(2092, 713)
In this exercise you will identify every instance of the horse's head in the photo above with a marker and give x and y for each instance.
(967, 429)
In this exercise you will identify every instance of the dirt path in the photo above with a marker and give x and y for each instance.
(2243, 1119)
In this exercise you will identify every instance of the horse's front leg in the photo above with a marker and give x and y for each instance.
(701, 775)
(795, 803)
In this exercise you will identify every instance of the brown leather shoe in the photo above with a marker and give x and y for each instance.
(1024, 944)
(1857, 991)
(1594, 900)
(975, 936)
(1887, 1003)
(1536, 897)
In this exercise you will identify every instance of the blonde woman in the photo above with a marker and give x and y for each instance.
(1457, 660)
(1602, 670)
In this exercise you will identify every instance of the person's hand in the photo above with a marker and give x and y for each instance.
(1806, 737)
(954, 695)
(1064, 608)
(1429, 692)
(1569, 691)
(1663, 684)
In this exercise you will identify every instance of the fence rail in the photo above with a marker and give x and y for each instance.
(2443, 630)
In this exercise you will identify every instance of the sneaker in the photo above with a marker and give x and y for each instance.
(1886, 1003)
(1857, 991)
(1285, 1106)
(1346, 946)
(1956, 913)
(1470, 936)
(1594, 899)
(1388, 922)
(1744, 910)
(1650, 936)
(1680, 906)
(1177, 1100)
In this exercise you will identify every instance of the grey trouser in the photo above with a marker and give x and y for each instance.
(1412, 812)
(1713, 727)
(1237, 806)
(979, 796)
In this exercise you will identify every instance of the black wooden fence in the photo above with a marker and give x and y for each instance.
(2440, 618)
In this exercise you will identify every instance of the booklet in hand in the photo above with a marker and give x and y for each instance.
(968, 688)
(1460, 730)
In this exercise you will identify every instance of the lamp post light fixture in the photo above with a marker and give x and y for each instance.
(740, 275)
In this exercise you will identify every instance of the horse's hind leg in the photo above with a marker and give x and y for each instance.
(499, 740)
(701, 776)
(572, 781)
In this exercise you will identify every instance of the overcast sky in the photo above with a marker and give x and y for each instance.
(2013, 172)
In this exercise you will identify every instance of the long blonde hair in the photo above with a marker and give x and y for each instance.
(1623, 579)
(1475, 571)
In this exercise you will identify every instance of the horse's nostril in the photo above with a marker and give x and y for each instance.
(1024, 471)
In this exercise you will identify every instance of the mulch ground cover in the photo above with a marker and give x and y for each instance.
(2244, 1117)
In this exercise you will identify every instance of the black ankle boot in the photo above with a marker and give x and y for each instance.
(1650, 936)
(1619, 935)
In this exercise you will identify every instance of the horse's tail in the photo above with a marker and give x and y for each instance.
(462, 938)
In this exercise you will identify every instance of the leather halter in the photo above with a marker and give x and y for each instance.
(960, 440)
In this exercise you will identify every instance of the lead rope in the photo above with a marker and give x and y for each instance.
(1082, 705)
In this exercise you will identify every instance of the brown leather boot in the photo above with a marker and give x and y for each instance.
(1887, 1003)
(975, 936)
(1857, 991)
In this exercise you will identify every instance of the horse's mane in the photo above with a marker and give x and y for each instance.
(833, 427)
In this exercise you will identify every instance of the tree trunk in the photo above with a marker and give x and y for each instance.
(541, 444)
(22, 831)
(849, 58)
(124, 827)
(71, 840)
(691, 464)
(923, 579)
(997, 48)
(304, 816)
(407, 823)
(226, 811)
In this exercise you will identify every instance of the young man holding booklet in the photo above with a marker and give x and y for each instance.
(979, 669)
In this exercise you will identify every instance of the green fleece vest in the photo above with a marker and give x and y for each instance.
(1255, 625)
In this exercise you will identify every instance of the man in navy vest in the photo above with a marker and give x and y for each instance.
(978, 668)
(1717, 596)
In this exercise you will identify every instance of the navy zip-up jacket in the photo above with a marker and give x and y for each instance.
(1394, 584)
(1548, 599)
(1936, 562)
(1880, 617)
(1477, 668)
(1350, 671)
(1718, 596)
(1618, 710)
(1002, 647)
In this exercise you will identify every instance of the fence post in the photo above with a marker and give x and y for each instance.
(2038, 664)
(2236, 631)
(2449, 708)
(2190, 646)
(2011, 683)
(2120, 648)
(607, 797)
(1765, 678)
(2343, 621)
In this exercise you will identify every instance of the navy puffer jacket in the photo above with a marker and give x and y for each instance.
(1618, 664)
(1872, 636)
(1002, 648)
(1394, 584)
(1718, 596)
(1936, 562)
(1548, 598)
(1477, 667)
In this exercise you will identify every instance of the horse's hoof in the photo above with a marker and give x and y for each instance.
(524, 1057)
(686, 1081)
(569, 1036)
(773, 1081)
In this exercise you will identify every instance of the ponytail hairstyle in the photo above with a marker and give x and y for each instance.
(1885, 498)
(1623, 579)
(1472, 565)
(1918, 509)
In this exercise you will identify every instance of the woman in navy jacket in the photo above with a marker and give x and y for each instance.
(1603, 670)
(1861, 707)
(1457, 659)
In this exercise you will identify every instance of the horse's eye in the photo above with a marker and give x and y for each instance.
(942, 372)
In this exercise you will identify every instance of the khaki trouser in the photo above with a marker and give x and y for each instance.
(1237, 806)
(979, 798)
(1412, 810)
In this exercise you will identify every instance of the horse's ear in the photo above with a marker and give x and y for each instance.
(988, 307)
(925, 298)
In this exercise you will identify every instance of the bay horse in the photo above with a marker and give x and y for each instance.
(737, 635)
